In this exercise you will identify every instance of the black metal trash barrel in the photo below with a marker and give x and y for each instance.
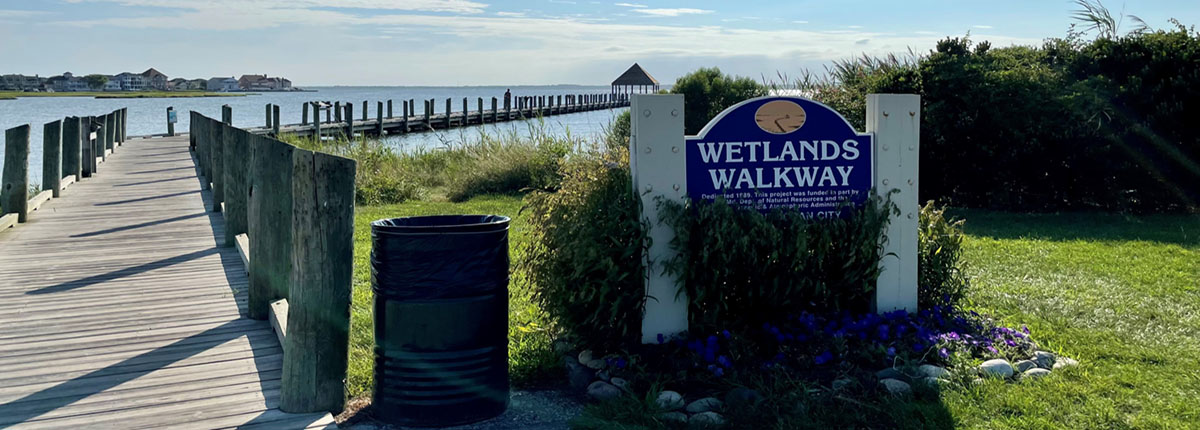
(441, 318)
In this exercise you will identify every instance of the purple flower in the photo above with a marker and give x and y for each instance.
(825, 357)
(891, 351)
(944, 353)
(726, 334)
(621, 363)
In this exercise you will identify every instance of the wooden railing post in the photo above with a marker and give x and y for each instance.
(268, 112)
(14, 194)
(124, 125)
(217, 173)
(406, 110)
(227, 114)
(235, 159)
(316, 108)
(318, 323)
(448, 109)
(170, 125)
(269, 214)
(480, 111)
(87, 147)
(275, 120)
(304, 114)
(349, 121)
(429, 114)
(466, 119)
(112, 131)
(495, 114)
(102, 139)
(337, 113)
(192, 130)
(52, 157)
(364, 114)
(379, 118)
(389, 112)
(71, 148)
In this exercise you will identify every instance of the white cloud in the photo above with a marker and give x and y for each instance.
(985, 27)
(455, 6)
(562, 1)
(854, 26)
(629, 5)
(511, 14)
(673, 12)
(799, 22)
(926, 33)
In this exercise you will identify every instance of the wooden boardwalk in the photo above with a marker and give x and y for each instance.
(119, 310)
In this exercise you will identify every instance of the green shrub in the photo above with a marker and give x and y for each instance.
(941, 271)
(707, 92)
(381, 177)
(1072, 124)
(584, 254)
(508, 166)
(742, 268)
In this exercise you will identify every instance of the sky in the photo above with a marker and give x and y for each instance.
(512, 42)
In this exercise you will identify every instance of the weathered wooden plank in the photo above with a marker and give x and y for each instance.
(14, 192)
(71, 148)
(52, 157)
(278, 319)
(270, 226)
(217, 141)
(36, 202)
(319, 298)
(236, 153)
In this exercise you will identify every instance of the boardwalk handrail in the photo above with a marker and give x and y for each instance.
(72, 150)
(291, 213)
(340, 120)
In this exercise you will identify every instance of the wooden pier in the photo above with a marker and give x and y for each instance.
(126, 306)
(338, 118)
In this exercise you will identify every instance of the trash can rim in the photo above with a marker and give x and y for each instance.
(496, 220)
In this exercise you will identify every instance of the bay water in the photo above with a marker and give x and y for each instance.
(149, 115)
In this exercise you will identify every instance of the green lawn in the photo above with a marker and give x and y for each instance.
(1118, 293)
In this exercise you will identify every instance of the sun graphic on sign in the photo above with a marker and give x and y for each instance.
(780, 117)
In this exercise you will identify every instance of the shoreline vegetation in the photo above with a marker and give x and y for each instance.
(13, 95)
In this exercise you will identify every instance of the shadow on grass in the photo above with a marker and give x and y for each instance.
(1183, 229)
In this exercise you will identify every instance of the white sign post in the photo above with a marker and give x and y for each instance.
(659, 165)
(895, 119)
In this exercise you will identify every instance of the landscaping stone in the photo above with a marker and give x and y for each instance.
(932, 381)
(1034, 373)
(602, 391)
(1062, 362)
(896, 387)
(931, 371)
(1044, 359)
(741, 396)
(996, 368)
(892, 373)
(620, 383)
(1023, 365)
(673, 417)
(840, 384)
(669, 400)
(707, 404)
(706, 420)
(578, 375)
(595, 363)
(602, 375)
(585, 356)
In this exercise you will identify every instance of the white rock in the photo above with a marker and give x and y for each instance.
(996, 368)
(931, 371)
(595, 363)
(673, 417)
(896, 387)
(1044, 359)
(707, 404)
(1065, 362)
(602, 391)
(585, 356)
(706, 420)
(620, 383)
(1023, 365)
(669, 400)
(1034, 373)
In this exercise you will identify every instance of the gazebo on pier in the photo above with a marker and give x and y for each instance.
(635, 80)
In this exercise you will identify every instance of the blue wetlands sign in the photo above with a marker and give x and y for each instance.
(781, 152)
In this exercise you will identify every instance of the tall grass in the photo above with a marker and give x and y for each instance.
(510, 162)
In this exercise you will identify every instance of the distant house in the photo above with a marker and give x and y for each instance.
(112, 85)
(263, 83)
(153, 79)
(195, 85)
(130, 81)
(66, 82)
(222, 84)
(20, 83)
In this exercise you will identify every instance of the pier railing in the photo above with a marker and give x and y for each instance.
(73, 149)
(290, 213)
(337, 118)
